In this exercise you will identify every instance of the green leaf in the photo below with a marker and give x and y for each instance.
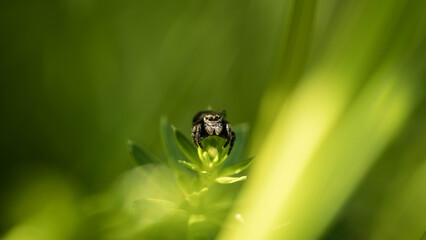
(141, 156)
(229, 180)
(241, 133)
(236, 168)
(186, 147)
(167, 136)
(216, 143)
(189, 165)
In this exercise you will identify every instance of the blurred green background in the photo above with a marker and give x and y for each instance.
(334, 92)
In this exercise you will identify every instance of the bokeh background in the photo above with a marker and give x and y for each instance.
(334, 92)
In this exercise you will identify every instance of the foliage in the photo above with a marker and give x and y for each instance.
(205, 197)
(334, 92)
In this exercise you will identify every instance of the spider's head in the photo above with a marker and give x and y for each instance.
(213, 123)
(212, 119)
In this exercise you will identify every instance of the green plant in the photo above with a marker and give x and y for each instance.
(207, 180)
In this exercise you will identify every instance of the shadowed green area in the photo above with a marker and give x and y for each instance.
(328, 95)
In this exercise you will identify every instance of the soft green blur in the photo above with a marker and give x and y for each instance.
(333, 91)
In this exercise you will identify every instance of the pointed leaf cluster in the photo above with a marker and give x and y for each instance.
(195, 169)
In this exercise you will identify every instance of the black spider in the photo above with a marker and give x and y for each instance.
(210, 123)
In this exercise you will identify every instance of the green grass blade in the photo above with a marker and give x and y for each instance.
(236, 168)
(229, 180)
(141, 156)
(189, 165)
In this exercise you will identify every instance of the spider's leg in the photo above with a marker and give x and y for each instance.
(199, 143)
(232, 142)
(228, 135)
(196, 135)
(194, 130)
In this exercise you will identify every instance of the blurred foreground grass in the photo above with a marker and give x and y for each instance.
(334, 92)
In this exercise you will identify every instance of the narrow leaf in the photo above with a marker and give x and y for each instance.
(186, 147)
(229, 180)
(167, 136)
(236, 168)
(241, 133)
(141, 156)
(189, 165)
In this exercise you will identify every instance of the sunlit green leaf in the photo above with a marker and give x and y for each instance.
(189, 165)
(236, 168)
(229, 180)
(216, 143)
(141, 156)
(186, 147)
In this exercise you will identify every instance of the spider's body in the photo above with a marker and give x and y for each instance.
(210, 123)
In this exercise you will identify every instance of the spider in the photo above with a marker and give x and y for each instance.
(210, 123)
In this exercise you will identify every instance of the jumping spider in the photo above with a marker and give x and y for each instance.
(210, 123)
